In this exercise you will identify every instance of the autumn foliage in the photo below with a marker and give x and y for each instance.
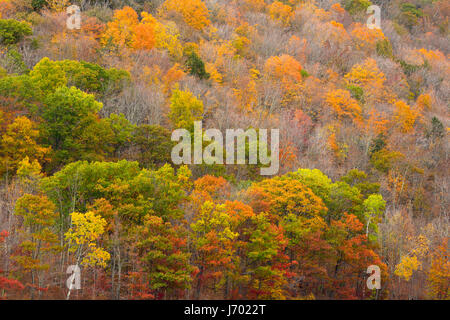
(86, 138)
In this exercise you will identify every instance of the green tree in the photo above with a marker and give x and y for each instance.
(48, 76)
(196, 66)
(121, 133)
(374, 207)
(12, 31)
(356, 6)
(153, 144)
(68, 113)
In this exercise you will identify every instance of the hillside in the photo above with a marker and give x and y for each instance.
(342, 118)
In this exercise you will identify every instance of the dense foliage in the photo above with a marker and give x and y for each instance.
(86, 117)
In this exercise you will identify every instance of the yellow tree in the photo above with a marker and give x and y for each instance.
(368, 77)
(83, 237)
(412, 261)
(280, 12)
(185, 108)
(344, 106)
(194, 12)
(365, 38)
(166, 35)
(407, 266)
(19, 142)
(86, 230)
(212, 241)
(424, 102)
(405, 116)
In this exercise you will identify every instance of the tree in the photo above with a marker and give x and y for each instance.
(356, 6)
(121, 132)
(86, 230)
(79, 182)
(287, 70)
(437, 129)
(405, 116)
(40, 240)
(120, 30)
(368, 76)
(210, 188)
(88, 77)
(284, 68)
(196, 66)
(339, 197)
(360, 180)
(267, 263)
(68, 113)
(166, 35)
(153, 145)
(7, 285)
(125, 30)
(344, 106)
(48, 76)
(172, 77)
(163, 251)
(439, 273)
(413, 260)
(82, 240)
(13, 31)
(410, 14)
(144, 37)
(352, 253)
(407, 266)
(185, 108)
(212, 240)
(29, 175)
(367, 39)
(19, 142)
(280, 197)
(300, 214)
(194, 12)
(281, 12)
(374, 207)
(92, 78)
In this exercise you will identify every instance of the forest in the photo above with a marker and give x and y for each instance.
(90, 98)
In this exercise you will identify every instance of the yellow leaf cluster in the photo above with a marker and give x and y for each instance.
(86, 230)
(369, 77)
(405, 116)
(194, 12)
(365, 38)
(20, 141)
(166, 35)
(407, 266)
(280, 12)
(424, 102)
